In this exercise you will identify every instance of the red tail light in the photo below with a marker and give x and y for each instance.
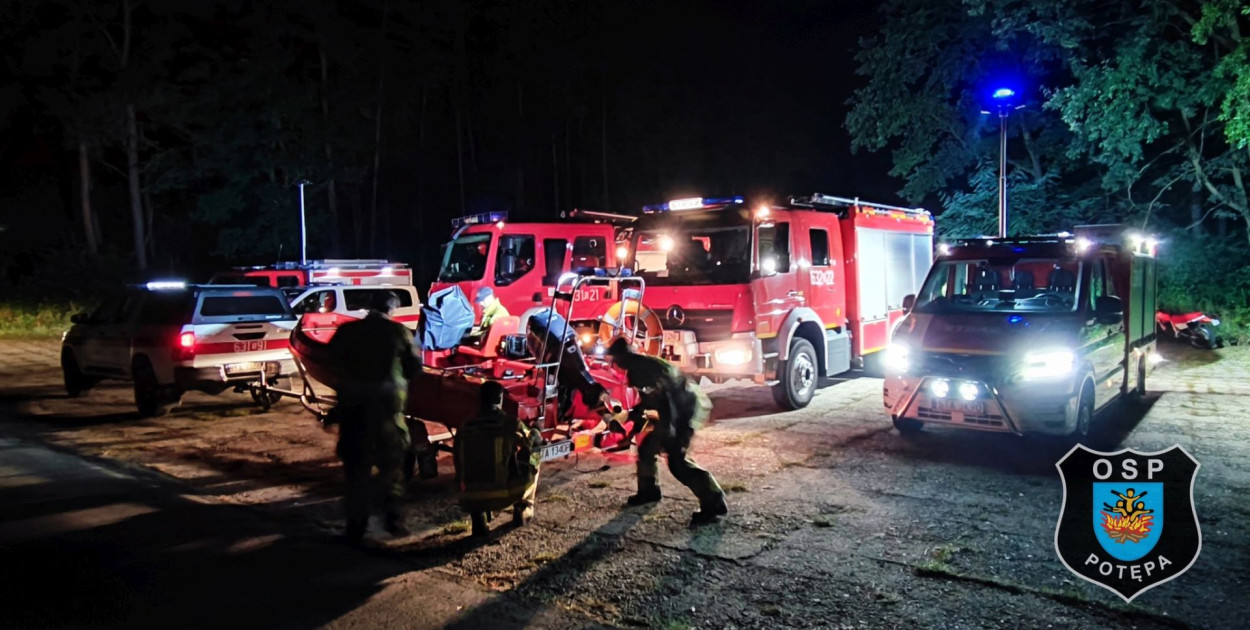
(186, 347)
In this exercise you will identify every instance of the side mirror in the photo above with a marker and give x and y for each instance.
(908, 302)
(79, 318)
(1108, 310)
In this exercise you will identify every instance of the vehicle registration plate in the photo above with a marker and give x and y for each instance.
(255, 345)
(962, 407)
(241, 368)
(556, 450)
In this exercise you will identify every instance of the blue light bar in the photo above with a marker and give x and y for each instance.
(1004, 93)
(692, 203)
(479, 219)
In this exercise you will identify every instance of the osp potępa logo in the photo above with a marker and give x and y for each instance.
(1128, 521)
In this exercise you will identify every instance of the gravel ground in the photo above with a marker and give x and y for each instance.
(837, 521)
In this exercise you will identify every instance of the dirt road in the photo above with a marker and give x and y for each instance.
(837, 521)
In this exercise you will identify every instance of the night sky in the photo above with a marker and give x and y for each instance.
(694, 98)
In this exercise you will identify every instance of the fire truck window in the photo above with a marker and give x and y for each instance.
(165, 308)
(288, 281)
(465, 258)
(999, 285)
(820, 248)
(775, 246)
(555, 251)
(514, 258)
(589, 252)
(1097, 284)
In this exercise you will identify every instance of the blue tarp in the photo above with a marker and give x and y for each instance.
(445, 319)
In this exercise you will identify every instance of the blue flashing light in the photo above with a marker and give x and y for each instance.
(480, 218)
(1001, 93)
(692, 203)
(1015, 319)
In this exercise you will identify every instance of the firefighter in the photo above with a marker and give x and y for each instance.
(497, 460)
(492, 309)
(376, 357)
(674, 407)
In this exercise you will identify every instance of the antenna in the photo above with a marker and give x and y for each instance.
(279, 253)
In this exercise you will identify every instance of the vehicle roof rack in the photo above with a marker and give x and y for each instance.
(821, 201)
(598, 216)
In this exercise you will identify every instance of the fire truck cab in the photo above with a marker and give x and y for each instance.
(782, 294)
(1025, 335)
(314, 272)
(524, 262)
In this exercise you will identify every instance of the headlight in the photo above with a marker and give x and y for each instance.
(733, 356)
(1048, 364)
(896, 357)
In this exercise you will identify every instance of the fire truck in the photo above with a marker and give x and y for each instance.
(1026, 335)
(780, 293)
(524, 262)
(314, 272)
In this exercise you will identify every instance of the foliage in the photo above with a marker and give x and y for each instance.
(1139, 113)
(36, 319)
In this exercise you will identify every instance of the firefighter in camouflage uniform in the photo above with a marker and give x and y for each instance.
(376, 358)
(674, 407)
(497, 459)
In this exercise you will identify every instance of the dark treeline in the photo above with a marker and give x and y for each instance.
(169, 136)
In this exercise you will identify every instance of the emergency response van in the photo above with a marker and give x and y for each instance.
(1027, 335)
(171, 337)
(354, 272)
(357, 301)
(523, 262)
(781, 293)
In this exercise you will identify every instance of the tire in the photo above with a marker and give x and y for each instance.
(799, 375)
(1202, 338)
(1139, 392)
(268, 400)
(76, 383)
(1084, 418)
(150, 398)
(907, 426)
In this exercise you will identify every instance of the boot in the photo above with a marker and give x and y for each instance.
(480, 528)
(648, 492)
(710, 511)
(355, 531)
(394, 525)
(522, 514)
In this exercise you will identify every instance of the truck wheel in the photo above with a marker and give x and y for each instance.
(907, 426)
(75, 381)
(150, 399)
(798, 377)
(269, 399)
(1084, 418)
(1140, 391)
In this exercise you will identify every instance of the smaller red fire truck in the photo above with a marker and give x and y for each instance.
(781, 293)
(329, 271)
(1026, 335)
(524, 262)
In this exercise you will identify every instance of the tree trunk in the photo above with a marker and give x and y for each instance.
(336, 237)
(88, 220)
(604, 136)
(136, 198)
(377, 135)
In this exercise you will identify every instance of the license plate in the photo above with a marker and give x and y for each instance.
(242, 368)
(970, 408)
(556, 450)
(672, 336)
(255, 345)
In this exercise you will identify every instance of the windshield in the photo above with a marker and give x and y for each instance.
(695, 255)
(465, 258)
(1026, 285)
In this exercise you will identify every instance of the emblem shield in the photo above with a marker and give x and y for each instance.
(1111, 526)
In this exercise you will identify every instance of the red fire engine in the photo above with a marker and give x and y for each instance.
(779, 293)
(329, 271)
(524, 262)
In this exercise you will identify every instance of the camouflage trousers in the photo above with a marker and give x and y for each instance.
(676, 450)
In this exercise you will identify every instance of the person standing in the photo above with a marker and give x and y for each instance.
(376, 357)
(674, 407)
(492, 309)
(497, 460)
